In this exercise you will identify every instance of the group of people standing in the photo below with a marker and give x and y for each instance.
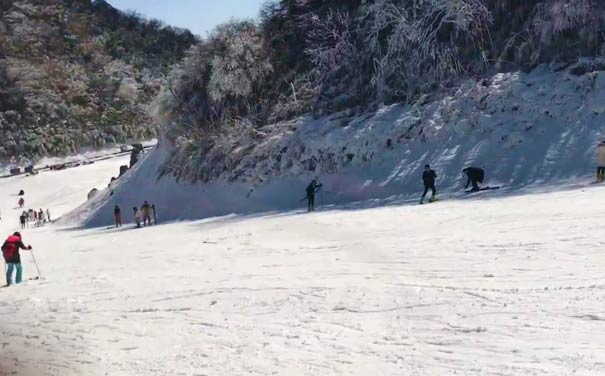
(39, 218)
(143, 215)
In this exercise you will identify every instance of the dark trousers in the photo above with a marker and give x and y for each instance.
(311, 202)
(600, 170)
(426, 190)
(475, 184)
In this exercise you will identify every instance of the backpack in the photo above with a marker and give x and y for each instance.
(10, 248)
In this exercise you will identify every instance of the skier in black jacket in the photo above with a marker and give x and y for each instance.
(475, 176)
(428, 178)
(312, 188)
(117, 214)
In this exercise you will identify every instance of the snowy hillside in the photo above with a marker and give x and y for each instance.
(534, 131)
(509, 286)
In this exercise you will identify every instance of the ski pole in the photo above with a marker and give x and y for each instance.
(35, 263)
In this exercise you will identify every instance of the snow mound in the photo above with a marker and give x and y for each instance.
(526, 129)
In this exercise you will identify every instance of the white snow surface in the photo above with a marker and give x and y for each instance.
(485, 285)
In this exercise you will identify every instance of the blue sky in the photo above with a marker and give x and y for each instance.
(199, 16)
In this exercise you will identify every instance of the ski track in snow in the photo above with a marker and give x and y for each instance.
(508, 286)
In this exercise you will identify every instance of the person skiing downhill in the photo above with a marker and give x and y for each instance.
(312, 188)
(117, 213)
(10, 251)
(428, 178)
(475, 176)
(601, 162)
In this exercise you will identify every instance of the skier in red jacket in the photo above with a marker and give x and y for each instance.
(10, 251)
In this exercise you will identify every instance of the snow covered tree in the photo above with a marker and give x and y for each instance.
(335, 54)
(415, 43)
(241, 64)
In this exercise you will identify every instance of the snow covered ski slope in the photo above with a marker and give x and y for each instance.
(511, 285)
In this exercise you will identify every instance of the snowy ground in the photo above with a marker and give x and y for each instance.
(503, 286)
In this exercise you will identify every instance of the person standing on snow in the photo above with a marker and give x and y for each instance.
(312, 188)
(137, 216)
(21, 202)
(428, 178)
(601, 162)
(117, 214)
(10, 251)
(48, 215)
(22, 219)
(146, 208)
(475, 176)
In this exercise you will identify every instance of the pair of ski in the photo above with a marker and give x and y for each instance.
(466, 193)
(29, 279)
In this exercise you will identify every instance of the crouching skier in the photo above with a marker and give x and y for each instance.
(475, 175)
(10, 251)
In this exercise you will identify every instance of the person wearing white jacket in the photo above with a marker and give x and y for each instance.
(138, 215)
(601, 162)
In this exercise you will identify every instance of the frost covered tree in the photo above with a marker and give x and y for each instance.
(415, 44)
(240, 63)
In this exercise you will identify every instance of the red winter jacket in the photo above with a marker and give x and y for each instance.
(10, 249)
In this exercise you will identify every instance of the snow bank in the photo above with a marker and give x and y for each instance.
(535, 129)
